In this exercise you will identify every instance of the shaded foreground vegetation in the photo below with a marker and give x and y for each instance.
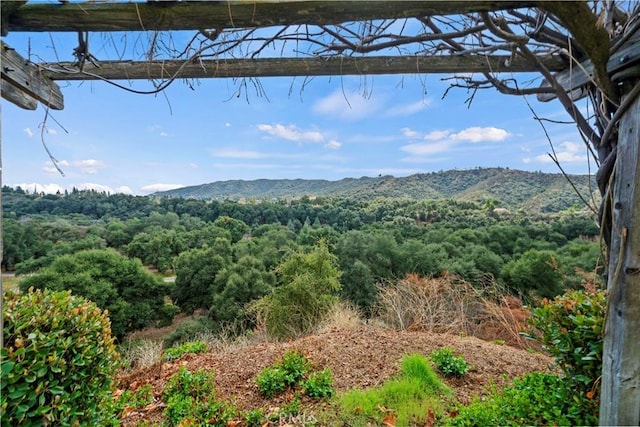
(280, 269)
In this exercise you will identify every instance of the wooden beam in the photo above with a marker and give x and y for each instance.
(27, 78)
(620, 399)
(6, 10)
(17, 97)
(579, 76)
(270, 67)
(195, 15)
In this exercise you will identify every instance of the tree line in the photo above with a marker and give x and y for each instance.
(227, 255)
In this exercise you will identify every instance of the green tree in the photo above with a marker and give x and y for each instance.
(309, 283)
(237, 285)
(132, 295)
(534, 273)
(196, 271)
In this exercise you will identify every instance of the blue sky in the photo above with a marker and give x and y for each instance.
(322, 128)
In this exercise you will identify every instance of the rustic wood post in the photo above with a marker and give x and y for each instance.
(620, 399)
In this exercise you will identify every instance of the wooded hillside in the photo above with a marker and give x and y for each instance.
(512, 189)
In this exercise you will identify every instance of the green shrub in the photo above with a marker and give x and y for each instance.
(192, 347)
(270, 381)
(191, 400)
(138, 399)
(58, 360)
(309, 283)
(535, 399)
(188, 330)
(319, 384)
(287, 372)
(570, 327)
(448, 363)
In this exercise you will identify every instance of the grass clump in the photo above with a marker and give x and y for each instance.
(408, 399)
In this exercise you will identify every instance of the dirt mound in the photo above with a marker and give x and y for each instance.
(359, 358)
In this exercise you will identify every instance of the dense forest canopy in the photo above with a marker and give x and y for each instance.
(213, 247)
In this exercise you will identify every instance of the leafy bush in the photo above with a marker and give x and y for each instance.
(570, 327)
(270, 381)
(319, 384)
(191, 400)
(188, 347)
(277, 377)
(309, 284)
(448, 363)
(58, 360)
(535, 399)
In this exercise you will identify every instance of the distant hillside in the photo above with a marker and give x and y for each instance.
(512, 189)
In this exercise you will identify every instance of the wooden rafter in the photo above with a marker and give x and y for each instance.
(270, 67)
(23, 82)
(196, 15)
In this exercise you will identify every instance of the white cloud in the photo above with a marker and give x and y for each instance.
(480, 134)
(124, 189)
(227, 125)
(93, 186)
(52, 131)
(52, 188)
(333, 144)
(40, 188)
(437, 135)
(570, 152)
(193, 166)
(152, 188)
(347, 106)
(424, 148)
(163, 134)
(410, 133)
(291, 133)
(407, 109)
(29, 132)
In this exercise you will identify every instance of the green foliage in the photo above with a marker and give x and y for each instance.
(188, 330)
(411, 397)
(237, 285)
(138, 399)
(58, 360)
(535, 399)
(570, 327)
(191, 400)
(416, 366)
(133, 297)
(309, 283)
(254, 417)
(536, 271)
(191, 347)
(196, 271)
(319, 384)
(449, 364)
(287, 372)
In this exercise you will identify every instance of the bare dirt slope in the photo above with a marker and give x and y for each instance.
(358, 358)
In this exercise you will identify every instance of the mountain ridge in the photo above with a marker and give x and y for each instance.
(509, 188)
